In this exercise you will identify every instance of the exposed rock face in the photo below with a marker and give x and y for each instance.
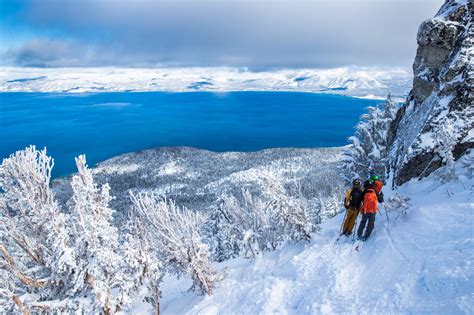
(443, 93)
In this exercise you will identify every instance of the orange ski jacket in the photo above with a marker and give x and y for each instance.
(370, 204)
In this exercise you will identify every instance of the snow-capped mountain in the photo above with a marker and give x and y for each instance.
(441, 103)
(351, 81)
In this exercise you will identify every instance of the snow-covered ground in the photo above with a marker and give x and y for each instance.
(352, 81)
(197, 178)
(420, 263)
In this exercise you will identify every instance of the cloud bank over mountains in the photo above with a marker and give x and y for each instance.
(256, 34)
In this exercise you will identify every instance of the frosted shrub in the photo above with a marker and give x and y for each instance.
(247, 225)
(175, 234)
(251, 214)
(330, 206)
(243, 224)
(445, 142)
(36, 253)
(142, 263)
(56, 262)
(222, 234)
(398, 204)
(101, 257)
(292, 219)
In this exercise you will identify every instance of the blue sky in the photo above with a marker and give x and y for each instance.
(258, 34)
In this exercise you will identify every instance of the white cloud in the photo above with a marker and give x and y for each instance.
(258, 34)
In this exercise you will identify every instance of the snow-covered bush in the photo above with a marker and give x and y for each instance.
(58, 261)
(175, 234)
(446, 141)
(222, 233)
(36, 245)
(398, 204)
(106, 264)
(367, 151)
(246, 225)
(142, 263)
(329, 206)
(291, 218)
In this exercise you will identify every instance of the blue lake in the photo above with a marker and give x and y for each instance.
(104, 125)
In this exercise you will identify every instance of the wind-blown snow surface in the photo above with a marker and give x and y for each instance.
(351, 81)
(421, 263)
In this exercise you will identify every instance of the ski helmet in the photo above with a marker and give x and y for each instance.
(356, 182)
(374, 178)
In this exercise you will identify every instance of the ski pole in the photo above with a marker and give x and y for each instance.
(386, 213)
(344, 220)
(355, 227)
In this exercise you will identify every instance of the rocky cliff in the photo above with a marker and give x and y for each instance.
(442, 94)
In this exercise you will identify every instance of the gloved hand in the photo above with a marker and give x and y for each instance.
(380, 197)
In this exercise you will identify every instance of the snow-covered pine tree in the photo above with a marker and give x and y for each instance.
(36, 257)
(222, 234)
(291, 219)
(251, 214)
(105, 264)
(446, 141)
(142, 264)
(247, 225)
(367, 151)
(175, 234)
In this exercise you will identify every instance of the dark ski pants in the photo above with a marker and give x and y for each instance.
(370, 227)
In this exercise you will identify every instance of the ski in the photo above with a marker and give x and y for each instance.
(358, 245)
(338, 238)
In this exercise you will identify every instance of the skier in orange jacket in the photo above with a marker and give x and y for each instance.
(369, 209)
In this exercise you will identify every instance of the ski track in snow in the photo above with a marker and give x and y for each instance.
(420, 263)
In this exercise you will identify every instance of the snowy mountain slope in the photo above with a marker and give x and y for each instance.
(196, 178)
(352, 81)
(421, 263)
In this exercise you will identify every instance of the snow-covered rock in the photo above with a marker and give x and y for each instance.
(352, 81)
(442, 94)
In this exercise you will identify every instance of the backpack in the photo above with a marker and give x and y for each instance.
(378, 186)
(356, 198)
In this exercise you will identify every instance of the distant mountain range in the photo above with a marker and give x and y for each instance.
(367, 82)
